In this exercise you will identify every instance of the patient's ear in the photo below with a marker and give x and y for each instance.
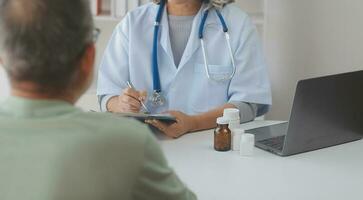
(88, 61)
(1, 62)
(86, 66)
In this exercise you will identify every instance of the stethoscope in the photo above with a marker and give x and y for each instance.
(157, 98)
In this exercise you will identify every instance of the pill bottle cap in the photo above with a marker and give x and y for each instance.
(231, 114)
(222, 120)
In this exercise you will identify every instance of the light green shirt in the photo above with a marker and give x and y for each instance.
(50, 150)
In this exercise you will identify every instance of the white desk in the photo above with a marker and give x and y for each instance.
(334, 173)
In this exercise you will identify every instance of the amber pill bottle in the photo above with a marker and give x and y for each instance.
(222, 135)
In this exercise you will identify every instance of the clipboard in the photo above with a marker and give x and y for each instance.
(142, 117)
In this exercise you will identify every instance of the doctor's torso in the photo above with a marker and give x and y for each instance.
(186, 87)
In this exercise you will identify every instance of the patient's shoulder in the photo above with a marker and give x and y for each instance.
(112, 125)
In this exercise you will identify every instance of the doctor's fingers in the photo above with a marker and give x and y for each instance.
(157, 124)
(124, 99)
(135, 94)
(128, 108)
(143, 96)
(173, 131)
(168, 130)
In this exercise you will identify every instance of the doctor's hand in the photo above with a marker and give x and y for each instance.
(184, 124)
(128, 101)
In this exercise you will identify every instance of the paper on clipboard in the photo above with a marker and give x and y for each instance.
(142, 116)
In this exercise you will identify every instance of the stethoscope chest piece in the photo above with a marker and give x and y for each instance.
(157, 99)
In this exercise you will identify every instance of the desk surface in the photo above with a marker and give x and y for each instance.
(334, 173)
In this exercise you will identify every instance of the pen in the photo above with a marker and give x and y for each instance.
(142, 103)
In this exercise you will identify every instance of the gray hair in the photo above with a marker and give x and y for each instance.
(42, 41)
(212, 3)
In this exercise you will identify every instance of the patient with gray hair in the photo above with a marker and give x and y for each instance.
(50, 150)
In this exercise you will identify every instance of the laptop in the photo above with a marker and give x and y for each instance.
(327, 111)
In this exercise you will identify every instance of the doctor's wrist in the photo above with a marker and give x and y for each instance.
(194, 123)
(112, 104)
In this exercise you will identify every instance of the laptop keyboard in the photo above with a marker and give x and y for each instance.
(275, 143)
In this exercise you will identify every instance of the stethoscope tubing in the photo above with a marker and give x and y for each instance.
(155, 65)
(202, 43)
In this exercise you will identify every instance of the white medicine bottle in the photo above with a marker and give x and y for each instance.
(236, 138)
(233, 117)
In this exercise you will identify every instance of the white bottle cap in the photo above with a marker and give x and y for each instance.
(231, 114)
(247, 144)
(222, 120)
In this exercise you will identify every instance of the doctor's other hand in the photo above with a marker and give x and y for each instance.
(128, 101)
(184, 124)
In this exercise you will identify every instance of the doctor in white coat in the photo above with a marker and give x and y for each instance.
(187, 79)
(4, 84)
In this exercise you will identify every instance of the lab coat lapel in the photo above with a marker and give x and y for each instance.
(194, 41)
(165, 37)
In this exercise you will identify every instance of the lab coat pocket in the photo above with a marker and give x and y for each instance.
(216, 72)
(209, 93)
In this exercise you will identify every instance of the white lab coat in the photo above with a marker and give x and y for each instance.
(186, 87)
(4, 84)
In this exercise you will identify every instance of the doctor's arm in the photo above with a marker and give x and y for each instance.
(113, 74)
(192, 123)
